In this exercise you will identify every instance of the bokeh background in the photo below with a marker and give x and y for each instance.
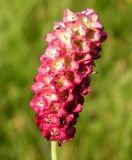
(104, 129)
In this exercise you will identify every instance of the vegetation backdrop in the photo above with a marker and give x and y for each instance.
(104, 129)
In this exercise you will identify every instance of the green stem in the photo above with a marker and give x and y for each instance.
(53, 150)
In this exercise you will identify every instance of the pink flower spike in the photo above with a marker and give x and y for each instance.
(64, 73)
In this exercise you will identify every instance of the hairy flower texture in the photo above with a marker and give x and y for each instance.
(64, 74)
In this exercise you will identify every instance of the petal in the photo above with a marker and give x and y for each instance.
(69, 16)
(88, 11)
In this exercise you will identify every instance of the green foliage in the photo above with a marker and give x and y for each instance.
(104, 129)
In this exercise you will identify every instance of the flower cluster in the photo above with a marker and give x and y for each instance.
(64, 74)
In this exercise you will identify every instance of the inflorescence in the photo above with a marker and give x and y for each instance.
(64, 74)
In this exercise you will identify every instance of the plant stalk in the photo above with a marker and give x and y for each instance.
(53, 150)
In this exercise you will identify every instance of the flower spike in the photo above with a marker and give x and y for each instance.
(64, 74)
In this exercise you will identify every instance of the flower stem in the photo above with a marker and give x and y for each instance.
(53, 150)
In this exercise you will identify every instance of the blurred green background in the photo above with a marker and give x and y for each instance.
(104, 129)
